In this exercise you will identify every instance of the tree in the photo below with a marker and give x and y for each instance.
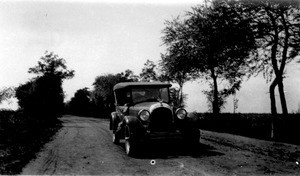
(128, 75)
(148, 72)
(276, 25)
(177, 98)
(81, 103)
(6, 93)
(24, 95)
(53, 66)
(43, 95)
(103, 86)
(210, 99)
(175, 68)
(103, 95)
(218, 40)
(235, 104)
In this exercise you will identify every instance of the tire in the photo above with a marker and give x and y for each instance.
(110, 124)
(115, 139)
(114, 125)
(130, 143)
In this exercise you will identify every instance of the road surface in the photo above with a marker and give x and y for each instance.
(84, 147)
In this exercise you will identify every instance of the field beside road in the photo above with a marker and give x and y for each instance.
(21, 138)
(83, 146)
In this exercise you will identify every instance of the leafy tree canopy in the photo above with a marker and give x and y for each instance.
(52, 65)
(43, 95)
(128, 75)
(6, 93)
(81, 103)
(276, 25)
(102, 94)
(213, 41)
(148, 72)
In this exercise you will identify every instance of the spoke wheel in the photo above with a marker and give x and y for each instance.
(130, 143)
(128, 147)
(115, 139)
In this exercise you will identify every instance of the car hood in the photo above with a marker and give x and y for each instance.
(150, 106)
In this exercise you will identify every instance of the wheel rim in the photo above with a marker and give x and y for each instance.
(127, 143)
(114, 137)
(127, 147)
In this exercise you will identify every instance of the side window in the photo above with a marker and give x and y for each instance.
(123, 97)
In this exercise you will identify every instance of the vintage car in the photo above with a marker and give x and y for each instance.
(144, 113)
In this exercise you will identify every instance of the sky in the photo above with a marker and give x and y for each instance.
(101, 37)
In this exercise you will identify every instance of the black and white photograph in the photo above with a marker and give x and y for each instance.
(150, 87)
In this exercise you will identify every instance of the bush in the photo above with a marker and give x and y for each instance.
(41, 97)
(287, 128)
(21, 137)
(80, 104)
(253, 125)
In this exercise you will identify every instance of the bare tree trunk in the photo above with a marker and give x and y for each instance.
(274, 60)
(180, 96)
(282, 97)
(273, 105)
(216, 109)
(283, 62)
(272, 96)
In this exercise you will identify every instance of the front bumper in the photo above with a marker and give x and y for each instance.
(174, 135)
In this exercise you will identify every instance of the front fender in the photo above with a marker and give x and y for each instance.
(134, 124)
(114, 121)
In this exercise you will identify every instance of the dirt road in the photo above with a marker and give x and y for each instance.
(84, 147)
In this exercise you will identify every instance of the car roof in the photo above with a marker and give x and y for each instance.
(124, 85)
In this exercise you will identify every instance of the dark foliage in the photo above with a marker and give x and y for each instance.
(51, 65)
(21, 138)
(148, 72)
(81, 104)
(253, 125)
(214, 43)
(42, 96)
(102, 94)
(6, 93)
(24, 132)
(175, 69)
(176, 98)
(276, 25)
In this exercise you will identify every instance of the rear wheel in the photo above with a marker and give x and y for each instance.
(116, 139)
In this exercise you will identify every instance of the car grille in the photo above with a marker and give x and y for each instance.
(161, 119)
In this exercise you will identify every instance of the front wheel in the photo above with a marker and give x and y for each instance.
(130, 143)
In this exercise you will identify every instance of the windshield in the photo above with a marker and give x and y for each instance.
(149, 94)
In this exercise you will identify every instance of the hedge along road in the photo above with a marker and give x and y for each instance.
(84, 147)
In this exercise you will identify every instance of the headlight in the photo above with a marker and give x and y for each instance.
(181, 113)
(144, 115)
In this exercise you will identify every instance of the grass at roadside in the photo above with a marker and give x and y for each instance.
(21, 138)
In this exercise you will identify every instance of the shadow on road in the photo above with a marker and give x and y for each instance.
(164, 150)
